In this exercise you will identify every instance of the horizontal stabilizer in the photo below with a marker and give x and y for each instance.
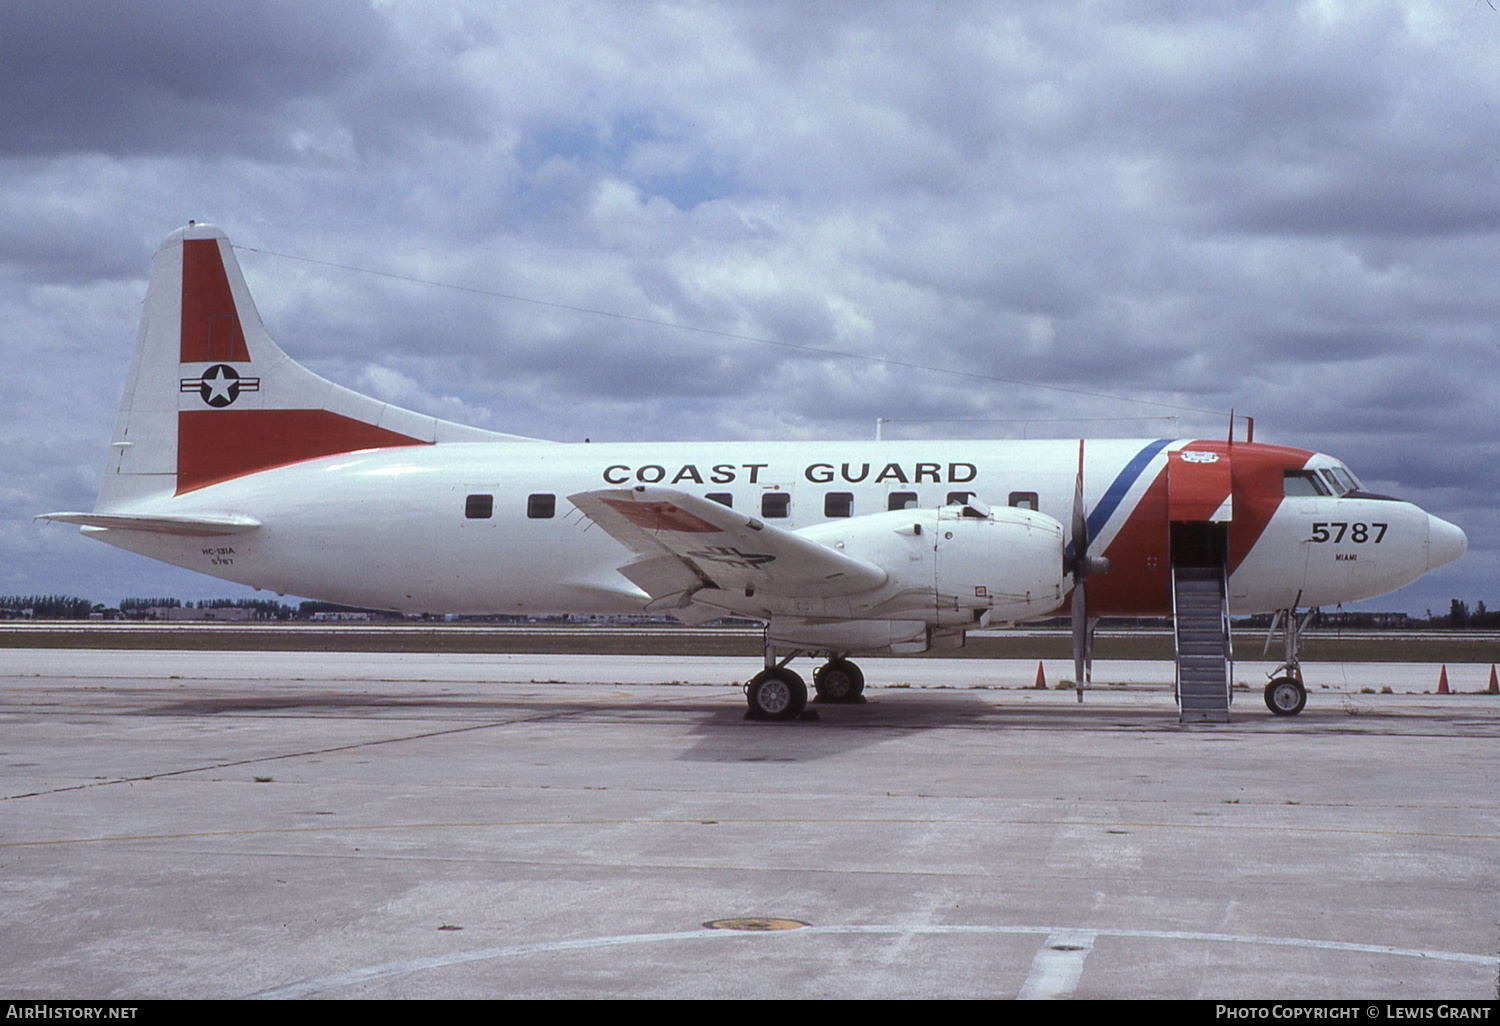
(192, 525)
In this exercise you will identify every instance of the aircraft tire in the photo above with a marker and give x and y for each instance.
(776, 695)
(839, 680)
(1285, 696)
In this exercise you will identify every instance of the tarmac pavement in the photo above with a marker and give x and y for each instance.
(210, 824)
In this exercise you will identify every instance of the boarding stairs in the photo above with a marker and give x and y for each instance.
(1205, 666)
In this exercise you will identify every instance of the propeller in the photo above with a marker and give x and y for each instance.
(1083, 565)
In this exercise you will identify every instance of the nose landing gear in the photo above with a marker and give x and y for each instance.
(1285, 694)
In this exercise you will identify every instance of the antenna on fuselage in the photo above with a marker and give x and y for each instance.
(1249, 428)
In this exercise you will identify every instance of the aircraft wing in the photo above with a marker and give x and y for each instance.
(684, 543)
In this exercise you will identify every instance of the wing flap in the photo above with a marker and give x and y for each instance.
(669, 581)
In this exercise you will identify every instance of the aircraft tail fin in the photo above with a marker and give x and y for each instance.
(210, 397)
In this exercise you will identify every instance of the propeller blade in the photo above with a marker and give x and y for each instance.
(1079, 607)
(1080, 522)
(1080, 617)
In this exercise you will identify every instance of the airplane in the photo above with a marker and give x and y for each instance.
(231, 459)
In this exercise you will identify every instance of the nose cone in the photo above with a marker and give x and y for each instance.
(1445, 542)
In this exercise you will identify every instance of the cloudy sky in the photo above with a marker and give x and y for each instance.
(1290, 209)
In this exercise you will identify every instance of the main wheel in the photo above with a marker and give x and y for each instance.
(1285, 696)
(839, 680)
(776, 695)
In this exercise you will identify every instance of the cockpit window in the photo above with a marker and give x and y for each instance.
(1303, 482)
(1342, 481)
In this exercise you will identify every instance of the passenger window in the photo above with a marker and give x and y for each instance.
(838, 504)
(541, 507)
(1024, 500)
(479, 507)
(722, 498)
(1302, 482)
(959, 498)
(775, 505)
(902, 500)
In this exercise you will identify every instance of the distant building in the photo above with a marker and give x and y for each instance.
(236, 614)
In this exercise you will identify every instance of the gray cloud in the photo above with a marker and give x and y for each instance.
(1285, 208)
(122, 79)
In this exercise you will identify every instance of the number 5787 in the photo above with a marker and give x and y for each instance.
(1357, 533)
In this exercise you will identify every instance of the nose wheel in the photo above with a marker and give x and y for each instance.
(1285, 696)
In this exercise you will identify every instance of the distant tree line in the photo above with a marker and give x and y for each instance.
(265, 609)
(47, 607)
(1460, 617)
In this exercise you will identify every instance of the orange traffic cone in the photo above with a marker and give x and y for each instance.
(1443, 680)
(1041, 678)
(1494, 681)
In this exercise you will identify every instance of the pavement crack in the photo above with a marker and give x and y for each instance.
(232, 763)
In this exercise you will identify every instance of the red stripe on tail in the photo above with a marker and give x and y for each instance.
(217, 445)
(210, 324)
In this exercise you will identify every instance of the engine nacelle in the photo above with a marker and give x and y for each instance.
(958, 565)
(1008, 564)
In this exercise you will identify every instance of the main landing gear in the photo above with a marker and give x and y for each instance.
(778, 693)
(839, 680)
(1286, 695)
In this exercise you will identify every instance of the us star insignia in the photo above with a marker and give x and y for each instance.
(733, 557)
(220, 385)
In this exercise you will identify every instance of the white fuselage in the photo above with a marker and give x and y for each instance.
(395, 528)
